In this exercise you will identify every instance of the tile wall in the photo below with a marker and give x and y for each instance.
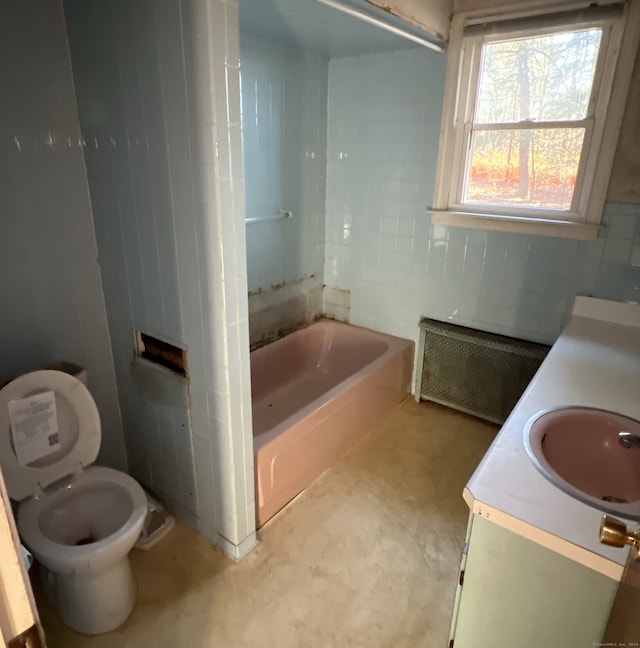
(53, 305)
(384, 122)
(284, 124)
(158, 90)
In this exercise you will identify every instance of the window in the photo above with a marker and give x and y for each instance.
(530, 111)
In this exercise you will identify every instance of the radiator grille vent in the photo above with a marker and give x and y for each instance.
(473, 371)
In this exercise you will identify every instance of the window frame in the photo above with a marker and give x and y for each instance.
(602, 123)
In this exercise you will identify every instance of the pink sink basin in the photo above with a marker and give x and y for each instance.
(591, 454)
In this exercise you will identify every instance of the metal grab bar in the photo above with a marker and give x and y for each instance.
(261, 219)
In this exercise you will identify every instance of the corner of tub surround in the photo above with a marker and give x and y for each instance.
(604, 310)
(283, 309)
(336, 303)
(240, 551)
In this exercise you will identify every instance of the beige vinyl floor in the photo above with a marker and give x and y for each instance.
(367, 556)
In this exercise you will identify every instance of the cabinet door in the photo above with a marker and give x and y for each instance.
(623, 628)
(518, 594)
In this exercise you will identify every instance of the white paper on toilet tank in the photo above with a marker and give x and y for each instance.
(34, 426)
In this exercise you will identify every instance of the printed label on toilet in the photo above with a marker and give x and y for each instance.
(34, 426)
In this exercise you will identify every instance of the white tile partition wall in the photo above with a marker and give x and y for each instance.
(384, 122)
(284, 106)
(52, 300)
(384, 116)
(284, 125)
(159, 95)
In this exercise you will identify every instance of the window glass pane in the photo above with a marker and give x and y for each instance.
(543, 78)
(524, 168)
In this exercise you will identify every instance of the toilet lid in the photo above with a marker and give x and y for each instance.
(79, 435)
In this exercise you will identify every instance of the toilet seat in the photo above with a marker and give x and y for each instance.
(78, 428)
(72, 557)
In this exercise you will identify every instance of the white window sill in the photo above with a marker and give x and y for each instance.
(516, 224)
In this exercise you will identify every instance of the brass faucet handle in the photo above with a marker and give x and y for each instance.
(614, 532)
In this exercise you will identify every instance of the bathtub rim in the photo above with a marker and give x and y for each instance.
(395, 345)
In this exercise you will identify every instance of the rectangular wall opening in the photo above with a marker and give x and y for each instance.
(160, 352)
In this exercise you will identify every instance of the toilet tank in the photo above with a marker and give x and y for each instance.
(68, 367)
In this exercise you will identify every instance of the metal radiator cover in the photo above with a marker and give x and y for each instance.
(480, 373)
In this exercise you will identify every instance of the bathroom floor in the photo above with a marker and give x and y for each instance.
(367, 556)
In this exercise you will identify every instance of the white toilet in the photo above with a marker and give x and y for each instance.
(79, 521)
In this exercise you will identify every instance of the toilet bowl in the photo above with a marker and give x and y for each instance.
(79, 521)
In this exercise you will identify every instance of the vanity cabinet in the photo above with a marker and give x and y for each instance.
(514, 593)
(535, 574)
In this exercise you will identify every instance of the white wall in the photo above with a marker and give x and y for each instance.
(284, 115)
(52, 301)
(384, 122)
(159, 98)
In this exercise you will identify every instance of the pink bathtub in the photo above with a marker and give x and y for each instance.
(315, 393)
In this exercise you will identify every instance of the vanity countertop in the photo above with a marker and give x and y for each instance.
(594, 363)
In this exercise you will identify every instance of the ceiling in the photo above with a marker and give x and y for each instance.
(322, 29)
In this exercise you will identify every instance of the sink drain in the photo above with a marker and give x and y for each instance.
(615, 500)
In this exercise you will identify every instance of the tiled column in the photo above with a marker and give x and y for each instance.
(216, 132)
